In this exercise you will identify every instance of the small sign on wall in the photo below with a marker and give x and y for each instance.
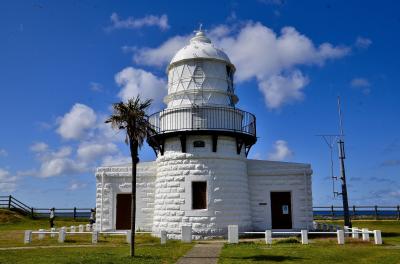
(285, 209)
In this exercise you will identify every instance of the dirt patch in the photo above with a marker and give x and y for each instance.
(9, 217)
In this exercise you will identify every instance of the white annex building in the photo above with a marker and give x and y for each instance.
(202, 176)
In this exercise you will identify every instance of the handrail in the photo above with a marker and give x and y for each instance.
(217, 118)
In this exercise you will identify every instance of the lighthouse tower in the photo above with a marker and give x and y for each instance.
(201, 142)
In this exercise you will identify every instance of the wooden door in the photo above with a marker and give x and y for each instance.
(124, 202)
(281, 210)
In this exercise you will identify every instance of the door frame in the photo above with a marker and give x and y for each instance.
(114, 224)
(291, 208)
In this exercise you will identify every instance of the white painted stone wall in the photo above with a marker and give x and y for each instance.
(227, 188)
(267, 176)
(117, 179)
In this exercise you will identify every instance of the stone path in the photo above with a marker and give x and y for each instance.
(202, 254)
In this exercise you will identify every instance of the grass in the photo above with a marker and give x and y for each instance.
(321, 250)
(78, 248)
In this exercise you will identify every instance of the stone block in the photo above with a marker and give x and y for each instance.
(40, 235)
(355, 233)
(53, 229)
(81, 228)
(95, 237)
(61, 235)
(268, 237)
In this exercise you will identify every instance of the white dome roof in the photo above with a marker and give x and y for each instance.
(200, 47)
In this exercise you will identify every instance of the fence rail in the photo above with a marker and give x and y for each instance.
(358, 211)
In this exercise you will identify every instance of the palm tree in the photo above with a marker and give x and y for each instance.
(132, 118)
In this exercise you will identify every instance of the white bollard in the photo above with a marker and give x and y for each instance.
(88, 229)
(163, 237)
(268, 237)
(340, 237)
(61, 235)
(365, 234)
(81, 228)
(378, 237)
(40, 235)
(304, 237)
(53, 229)
(355, 232)
(128, 236)
(95, 237)
(28, 236)
(186, 234)
(72, 229)
(233, 234)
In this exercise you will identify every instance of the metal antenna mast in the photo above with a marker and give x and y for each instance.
(329, 139)
(342, 156)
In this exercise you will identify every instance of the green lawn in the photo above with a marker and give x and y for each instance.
(110, 249)
(321, 250)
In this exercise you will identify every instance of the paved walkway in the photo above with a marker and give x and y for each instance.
(202, 254)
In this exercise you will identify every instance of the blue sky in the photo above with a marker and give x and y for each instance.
(68, 59)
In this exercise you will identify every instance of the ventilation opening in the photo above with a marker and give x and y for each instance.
(199, 144)
(199, 195)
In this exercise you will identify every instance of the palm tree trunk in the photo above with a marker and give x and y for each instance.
(134, 155)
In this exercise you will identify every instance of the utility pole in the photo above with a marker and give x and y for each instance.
(342, 156)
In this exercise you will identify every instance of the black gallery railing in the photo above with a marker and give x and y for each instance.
(204, 118)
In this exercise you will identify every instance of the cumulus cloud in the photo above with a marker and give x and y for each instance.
(92, 151)
(273, 59)
(39, 147)
(161, 55)
(135, 82)
(8, 183)
(135, 23)
(3, 153)
(61, 166)
(363, 43)
(77, 122)
(281, 151)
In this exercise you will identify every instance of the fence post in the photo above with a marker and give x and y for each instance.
(376, 212)
(61, 235)
(9, 201)
(53, 229)
(233, 234)
(377, 237)
(346, 229)
(128, 236)
(332, 212)
(28, 237)
(354, 211)
(365, 234)
(41, 235)
(304, 237)
(186, 234)
(32, 216)
(398, 212)
(340, 237)
(74, 213)
(95, 237)
(163, 237)
(355, 232)
(268, 237)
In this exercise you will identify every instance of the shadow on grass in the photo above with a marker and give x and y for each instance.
(268, 258)
(390, 234)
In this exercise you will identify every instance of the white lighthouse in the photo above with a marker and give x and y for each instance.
(202, 176)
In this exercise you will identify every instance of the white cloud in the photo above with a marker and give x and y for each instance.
(8, 183)
(280, 89)
(116, 160)
(92, 151)
(96, 87)
(76, 123)
(259, 53)
(39, 147)
(281, 151)
(3, 153)
(161, 55)
(135, 23)
(139, 82)
(76, 186)
(362, 42)
(61, 166)
(361, 83)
